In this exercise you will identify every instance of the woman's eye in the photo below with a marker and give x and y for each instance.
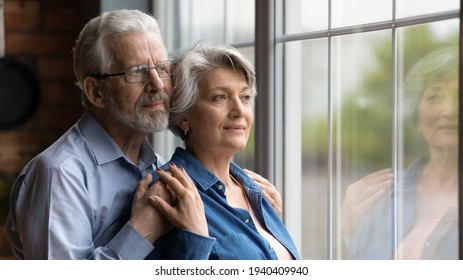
(247, 98)
(219, 97)
(433, 95)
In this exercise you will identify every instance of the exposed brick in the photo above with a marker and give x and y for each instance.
(59, 93)
(61, 19)
(56, 68)
(21, 23)
(23, 7)
(37, 44)
(41, 34)
(57, 117)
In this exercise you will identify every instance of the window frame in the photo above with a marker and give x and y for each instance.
(277, 150)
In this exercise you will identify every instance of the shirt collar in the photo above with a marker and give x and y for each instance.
(105, 149)
(194, 168)
(203, 176)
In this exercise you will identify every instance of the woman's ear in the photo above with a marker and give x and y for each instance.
(93, 92)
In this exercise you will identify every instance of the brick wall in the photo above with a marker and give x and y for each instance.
(41, 34)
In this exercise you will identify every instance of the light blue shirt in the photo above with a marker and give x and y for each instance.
(73, 200)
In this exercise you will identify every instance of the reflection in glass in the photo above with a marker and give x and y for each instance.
(362, 114)
(427, 191)
(413, 214)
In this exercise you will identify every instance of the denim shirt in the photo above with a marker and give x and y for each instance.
(235, 234)
(374, 238)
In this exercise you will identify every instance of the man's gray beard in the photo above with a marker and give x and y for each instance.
(156, 121)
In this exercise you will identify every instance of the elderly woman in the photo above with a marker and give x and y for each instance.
(212, 112)
(426, 195)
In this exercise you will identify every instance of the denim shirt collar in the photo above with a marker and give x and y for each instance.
(205, 179)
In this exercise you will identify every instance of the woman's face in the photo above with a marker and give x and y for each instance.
(438, 114)
(222, 116)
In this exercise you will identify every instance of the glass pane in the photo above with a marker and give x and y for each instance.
(312, 73)
(305, 16)
(354, 12)
(199, 20)
(245, 158)
(427, 180)
(362, 127)
(408, 8)
(240, 21)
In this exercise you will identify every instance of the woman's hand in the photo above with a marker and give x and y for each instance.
(146, 219)
(270, 191)
(188, 209)
(361, 196)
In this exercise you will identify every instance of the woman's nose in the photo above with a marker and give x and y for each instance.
(451, 104)
(237, 108)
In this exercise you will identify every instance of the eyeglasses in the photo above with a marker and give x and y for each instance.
(140, 73)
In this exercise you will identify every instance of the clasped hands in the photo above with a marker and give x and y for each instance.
(172, 201)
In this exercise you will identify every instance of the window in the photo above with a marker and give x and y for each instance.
(348, 68)
(348, 99)
(185, 22)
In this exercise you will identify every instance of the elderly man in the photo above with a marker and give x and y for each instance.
(82, 198)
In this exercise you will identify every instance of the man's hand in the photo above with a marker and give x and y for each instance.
(270, 191)
(188, 211)
(146, 219)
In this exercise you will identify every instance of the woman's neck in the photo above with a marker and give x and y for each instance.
(217, 164)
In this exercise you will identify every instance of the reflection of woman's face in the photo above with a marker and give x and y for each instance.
(222, 116)
(438, 114)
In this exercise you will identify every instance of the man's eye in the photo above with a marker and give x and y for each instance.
(136, 71)
(163, 68)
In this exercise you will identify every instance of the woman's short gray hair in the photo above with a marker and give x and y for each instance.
(191, 66)
(92, 52)
(437, 65)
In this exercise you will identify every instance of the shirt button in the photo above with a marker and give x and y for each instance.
(220, 187)
(428, 244)
(246, 221)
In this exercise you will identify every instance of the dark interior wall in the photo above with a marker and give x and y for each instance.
(40, 35)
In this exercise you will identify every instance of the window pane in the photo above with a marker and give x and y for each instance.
(305, 16)
(427, 189)
(245, 158)
(354, 12)
(408, 8)
(240, 21)
(191, 21)
(362, 125)
(313, 83)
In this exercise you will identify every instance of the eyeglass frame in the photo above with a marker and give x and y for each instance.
(138, 67)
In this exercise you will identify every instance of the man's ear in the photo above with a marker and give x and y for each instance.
(93, 92)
